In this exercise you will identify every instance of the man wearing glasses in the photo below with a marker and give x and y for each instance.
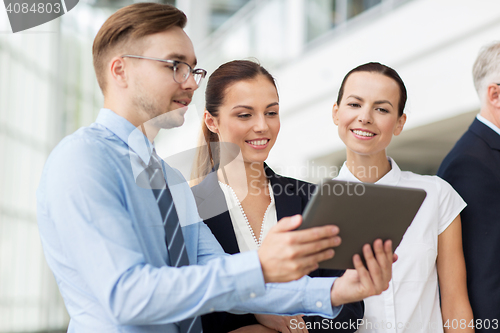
(110, 211)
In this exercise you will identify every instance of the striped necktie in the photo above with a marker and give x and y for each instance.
(176, 247)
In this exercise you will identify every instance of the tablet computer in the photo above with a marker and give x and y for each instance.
(363, 212)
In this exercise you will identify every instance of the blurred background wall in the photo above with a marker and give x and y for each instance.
(48, 90)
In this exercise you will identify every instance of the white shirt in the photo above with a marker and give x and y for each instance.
(411, 304)
(488, 123)
(242, 229)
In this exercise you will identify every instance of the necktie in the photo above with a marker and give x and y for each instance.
(176, 247)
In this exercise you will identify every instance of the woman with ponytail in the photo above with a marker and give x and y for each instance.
(240, 198)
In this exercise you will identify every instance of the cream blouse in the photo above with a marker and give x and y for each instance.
(244, 234)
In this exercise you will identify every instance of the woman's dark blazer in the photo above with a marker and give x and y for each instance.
(290, 196)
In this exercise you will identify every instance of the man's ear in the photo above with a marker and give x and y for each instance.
(400, 124)
(211, 122)
(493, 95)
(335, 111)
(118, 73)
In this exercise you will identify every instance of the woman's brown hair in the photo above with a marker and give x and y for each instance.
(129, 25)
(375, 67)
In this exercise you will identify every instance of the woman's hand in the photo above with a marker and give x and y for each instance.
(357, 284)
(284, 324)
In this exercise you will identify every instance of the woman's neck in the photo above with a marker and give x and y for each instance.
(368, 168)
(243, 176)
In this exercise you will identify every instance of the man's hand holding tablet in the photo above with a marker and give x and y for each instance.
(310, 246)
(287, 254)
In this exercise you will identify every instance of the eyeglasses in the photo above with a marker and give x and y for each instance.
(181, 69)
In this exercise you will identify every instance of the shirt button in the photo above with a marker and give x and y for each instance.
(252, 295)
(212, 309)
(319, 304)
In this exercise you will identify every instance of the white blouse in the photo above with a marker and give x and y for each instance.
(244, 234)
(411, 304)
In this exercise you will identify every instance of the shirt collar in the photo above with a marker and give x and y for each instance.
(488, 123)
(390, 178)
(128, 133)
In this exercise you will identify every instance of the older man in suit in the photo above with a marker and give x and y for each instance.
(473, 168)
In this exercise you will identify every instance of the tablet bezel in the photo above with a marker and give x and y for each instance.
(390, 210)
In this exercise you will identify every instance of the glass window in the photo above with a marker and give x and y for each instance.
(322, 15)
(221, 10)
(356, 7)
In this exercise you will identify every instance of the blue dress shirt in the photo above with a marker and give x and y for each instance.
(103, 238)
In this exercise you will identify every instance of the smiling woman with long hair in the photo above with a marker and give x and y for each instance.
(240, 197)
(368, 113)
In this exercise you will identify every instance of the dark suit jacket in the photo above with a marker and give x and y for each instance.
(473, 168)
(291, 196)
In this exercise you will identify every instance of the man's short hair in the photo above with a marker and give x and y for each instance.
(486, 68)
(126, 27)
